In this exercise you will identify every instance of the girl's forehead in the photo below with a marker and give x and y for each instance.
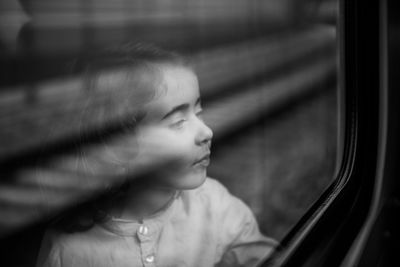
(179, 86)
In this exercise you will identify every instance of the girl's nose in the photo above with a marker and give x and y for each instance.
(204, 134)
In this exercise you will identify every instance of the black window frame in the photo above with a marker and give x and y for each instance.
(327, 233)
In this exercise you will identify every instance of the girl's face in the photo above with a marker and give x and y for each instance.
(173, 130)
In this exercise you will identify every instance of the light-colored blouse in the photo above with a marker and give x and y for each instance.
(203, 227)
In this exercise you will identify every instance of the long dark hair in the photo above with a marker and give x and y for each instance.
(129, 63)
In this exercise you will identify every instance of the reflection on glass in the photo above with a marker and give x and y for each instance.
(266, 73)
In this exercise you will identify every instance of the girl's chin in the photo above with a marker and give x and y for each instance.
(188, 181)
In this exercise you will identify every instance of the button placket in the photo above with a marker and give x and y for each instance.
(143, 230)
(146, 243)
(150, 258)
(143, 233)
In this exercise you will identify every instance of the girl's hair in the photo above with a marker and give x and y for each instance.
(119, 81)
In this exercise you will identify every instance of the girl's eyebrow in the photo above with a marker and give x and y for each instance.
(180, 108)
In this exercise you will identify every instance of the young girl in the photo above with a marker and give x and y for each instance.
(177, 216)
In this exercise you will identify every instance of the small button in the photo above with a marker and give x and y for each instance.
(150, 259)
(143, 230)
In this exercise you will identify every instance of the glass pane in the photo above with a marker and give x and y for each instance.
(266, 72)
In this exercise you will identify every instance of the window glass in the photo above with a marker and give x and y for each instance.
(267, 77)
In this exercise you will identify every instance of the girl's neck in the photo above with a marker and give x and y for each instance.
(142, 202)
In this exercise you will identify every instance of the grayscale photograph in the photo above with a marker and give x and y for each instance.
(198, 133)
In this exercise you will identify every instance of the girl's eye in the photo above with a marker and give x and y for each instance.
(178, 124)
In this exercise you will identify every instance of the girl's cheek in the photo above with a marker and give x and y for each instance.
(161, 144)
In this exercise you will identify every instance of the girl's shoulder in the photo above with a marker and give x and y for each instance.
(54, 243)
(66, 240)
(59, 248)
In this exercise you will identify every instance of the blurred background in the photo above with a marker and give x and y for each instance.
(268, 77)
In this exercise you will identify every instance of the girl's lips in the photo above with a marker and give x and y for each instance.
(204, 161)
